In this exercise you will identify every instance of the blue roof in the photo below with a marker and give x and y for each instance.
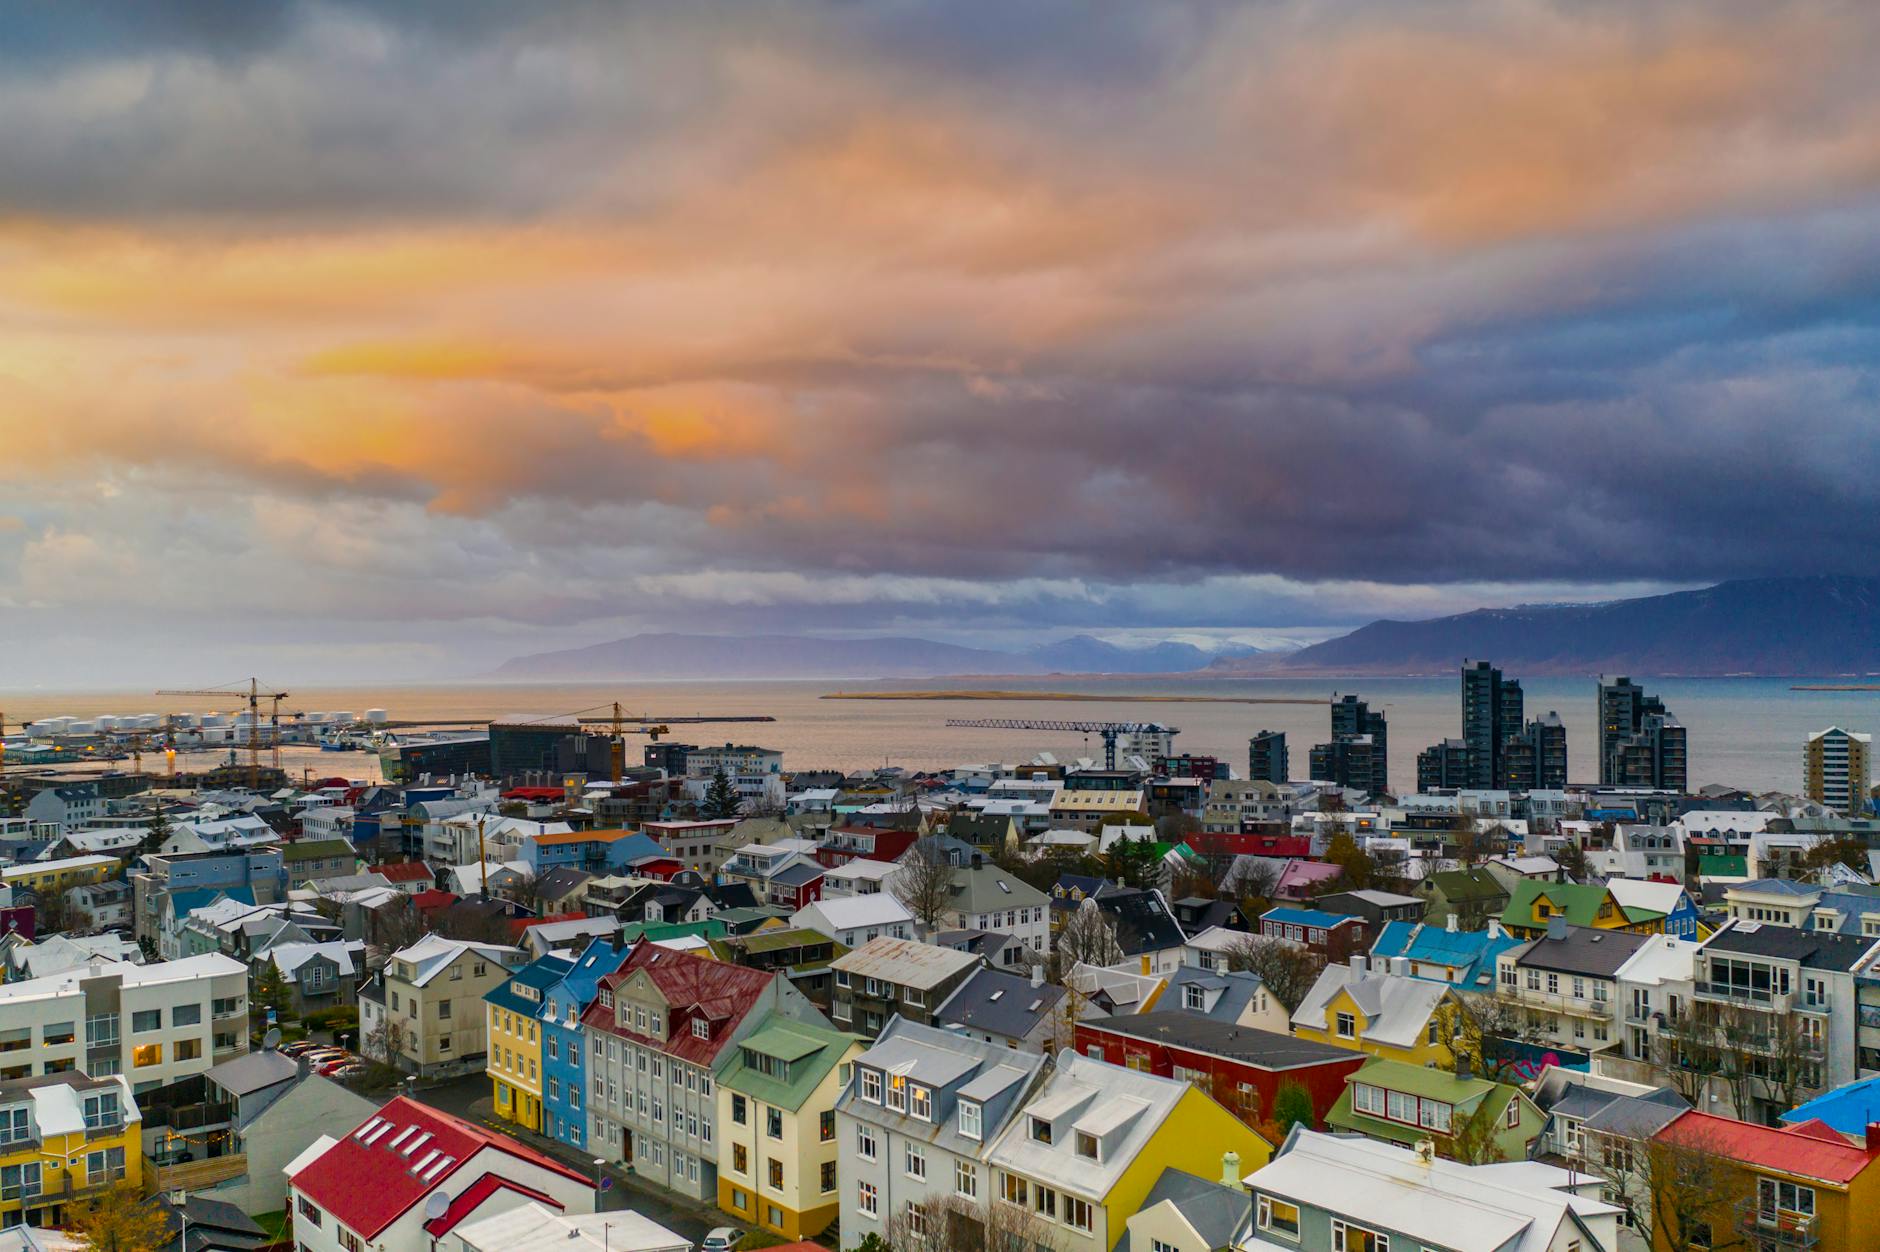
(633, 847)
(1780, 886)
(541, 974)
(1848, 1109)
(1308, 917)
(184, 903)
(1472, 951)
(582, 979)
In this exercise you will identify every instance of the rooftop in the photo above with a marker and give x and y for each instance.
(904, 962)
(1264, 1049)
(1807, 1150)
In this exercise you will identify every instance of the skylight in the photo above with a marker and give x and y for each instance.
(375, 1133)
(417, 1143)
(402, 1135)
(425, 1160)
(377, 1123)
(442, 1164)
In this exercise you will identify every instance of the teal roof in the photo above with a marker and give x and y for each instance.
(808, 1051)
(540, 975)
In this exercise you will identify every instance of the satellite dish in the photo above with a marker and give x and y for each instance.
(271, 1041)
(435, 1206)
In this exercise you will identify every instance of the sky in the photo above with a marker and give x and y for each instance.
(345, 341)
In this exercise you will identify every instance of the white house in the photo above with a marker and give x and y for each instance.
(854, 920)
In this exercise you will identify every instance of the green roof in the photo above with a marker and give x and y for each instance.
(710, 928)
(312, 849)
(810, 1050)
(1579, 901)
(1421, 1080)
(1713, 865)
(777, 938)
(1466, 884)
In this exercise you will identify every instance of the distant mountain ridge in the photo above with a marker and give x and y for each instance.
(679, 656)
(1814, 626)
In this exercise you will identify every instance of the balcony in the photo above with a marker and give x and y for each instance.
(1793, 1230)
(1749, 997)
(1578, 1006)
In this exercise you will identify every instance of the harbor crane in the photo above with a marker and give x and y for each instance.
(1108, 731)
(253, 696)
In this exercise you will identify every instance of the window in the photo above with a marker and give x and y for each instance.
(1402, 1107)
(1078, 1213)
(842, 978)
(101, 1110)
(868, 1200)
(773, 1122)
(740, 1159)
(916, 1220)
(1774, 1196)
(1349, 1238)
(1432, 1032)
(775, 1174)
(865, 1143)
(914, 1162)
(349, 1241)
(305, 1211)
(1193, 997)
(1347, 1026)
(1040, 1130)
(1434, 1114)
(1044, 1202)
(897, 1093)
(101, 1031)
(738, 1110)
(146, 1054)
(18, 1182)
(1016, 1190)
(828, 1176)
(826, 1126)
(701, 1029)
(146, 1019)
(106, 1164)
(443, 1010)
(1553, 984)
(1279, 1217)
(1513, 1116)
(966, 1179)
(1533, 980)
(921, 1103)
(1086, 1145)
(15, 1124)
(970, 1120)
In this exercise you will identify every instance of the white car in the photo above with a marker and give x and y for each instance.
(721, 1239)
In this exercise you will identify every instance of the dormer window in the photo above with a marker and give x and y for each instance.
(871, 1085)
(921, 1103)
(1193, 997)
(897, 1092)
(1087, 1146)
(971, 1120)
(1040, 1130)
(701, 1029)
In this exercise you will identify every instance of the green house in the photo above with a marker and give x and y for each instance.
(1470, 1119)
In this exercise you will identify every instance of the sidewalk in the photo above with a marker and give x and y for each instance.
(675, 1212)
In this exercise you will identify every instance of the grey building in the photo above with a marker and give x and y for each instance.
(1443, 766)
(1492, 713)
(915, 1125)
(1266, 757)
(1350, 761)
(1352, 718)
(1537, 757)
(888, 977)
(1009, 1010)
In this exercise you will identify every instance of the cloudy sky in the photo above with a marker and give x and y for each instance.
(351, 341)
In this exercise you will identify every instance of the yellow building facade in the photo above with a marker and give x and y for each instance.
(63, 1139)
(1391, 1016)
(513, 1030)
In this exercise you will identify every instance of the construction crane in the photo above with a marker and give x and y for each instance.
(1107, 730)
(254, 696)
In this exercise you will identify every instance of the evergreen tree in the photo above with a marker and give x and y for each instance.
(720, 799)
(1292, 1106)
(156, 834)
(272, 992)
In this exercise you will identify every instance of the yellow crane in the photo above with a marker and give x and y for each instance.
(253, 698)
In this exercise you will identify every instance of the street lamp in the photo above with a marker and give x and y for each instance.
(179, 1200)
(599, 1194)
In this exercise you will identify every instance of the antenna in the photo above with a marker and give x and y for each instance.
(436, 1205)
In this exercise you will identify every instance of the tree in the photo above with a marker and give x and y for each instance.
(924, 882)
(1088, 938)
(396, 924)
(1292, 1106)
(271, 991)
(1491, 1029)
(1843, 850)
(1287, 969)
(119, 1219)
(52, 915)
(1473, 845)
(1571, 857)
(1360, 869)
(1474, 1140)
(1693, 1191)
(720, 800)
(156, 834)
(959, 1224)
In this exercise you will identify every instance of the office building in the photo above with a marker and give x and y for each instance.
(544, 750)
(1837, 769)
(1266, 757)
(1492, 713)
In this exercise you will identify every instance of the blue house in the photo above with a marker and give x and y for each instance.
(1850, 1109)
(1461, 958)
(564, 1068)
(593, 851)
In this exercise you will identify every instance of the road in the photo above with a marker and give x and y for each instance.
(469, 1098)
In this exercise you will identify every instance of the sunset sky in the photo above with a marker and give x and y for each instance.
(344, 341)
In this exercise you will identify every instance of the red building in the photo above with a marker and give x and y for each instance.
(863, 843)
(1244, 1067)
(1334, 936)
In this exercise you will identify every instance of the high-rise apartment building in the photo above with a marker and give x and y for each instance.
(1640, 743)
(1492, 713)
(1537, 757)
(1837, 770)
(1266, 757)
(1443, 766)
(1350, 761)
(1353, 719)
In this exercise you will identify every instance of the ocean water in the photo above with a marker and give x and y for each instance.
(1745, 732)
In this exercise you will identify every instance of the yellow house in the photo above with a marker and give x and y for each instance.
(1534, 904)
(1803, 1186)
(1388, 1015)
(1084, 1154)
(777, 1091)
(62, 875)
(514, 1031)
(63, 1138)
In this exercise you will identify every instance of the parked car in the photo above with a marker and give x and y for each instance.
(721, 1239)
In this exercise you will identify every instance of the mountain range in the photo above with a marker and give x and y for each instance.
(1821, 626)
(677, 656)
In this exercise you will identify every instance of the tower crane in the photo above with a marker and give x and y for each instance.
(1108, 731)
(254, 696)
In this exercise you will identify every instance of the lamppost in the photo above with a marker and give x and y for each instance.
(600, 1192)
(179, 1200)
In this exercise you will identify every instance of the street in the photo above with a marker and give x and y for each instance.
(468, 1097)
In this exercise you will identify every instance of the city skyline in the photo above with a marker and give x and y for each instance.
(390, 344)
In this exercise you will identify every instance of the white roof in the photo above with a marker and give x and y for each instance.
(434, 953)
(1126, 1102)
(468, 879)
(1469, 1208)
(349, 956)
(314, 1151)
(208, 965)
(1726, 819)
(1217, 939)
(904, 962)
(865, 870)
(1662, 959)
(852, 912)
(64, 863)
(1396, 1007)
(534, 1228)
(1636, 893)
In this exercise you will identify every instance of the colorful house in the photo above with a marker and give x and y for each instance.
(514, 1033)
(564, 1068)
(777, 1092)
(1471, 1119)
(1334, 936)
(1085, 1151)
(595, 851)
(1797, 1187)
(1461, 958)
(66, 1138)
(1384, 1014)
(1532, 905)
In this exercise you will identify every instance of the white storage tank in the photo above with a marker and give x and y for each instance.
(79, 728)
(378, 717)
(345, 717)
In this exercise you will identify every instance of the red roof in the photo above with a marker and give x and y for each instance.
(405, 871)
(1222, 843)
(413, 1148)
(536, 793)
(470, 1197)
(1803, 1150)
(694, 987)
(517, 925)
(427, 901)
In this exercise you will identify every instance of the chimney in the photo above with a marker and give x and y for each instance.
(1873, 1138)
(303, 1066)
(1556, 927)
(1358, 964)
(1037, 975)
(1400, 966)
(1230, 1169)
(1494, 928)
(1426, 1151)
(1452, 924)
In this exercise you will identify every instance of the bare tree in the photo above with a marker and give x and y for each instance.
(396, 925)
(1693, 1191)
(923, 883)
(1089, 938)
(959, 1224)
(1287, 969)
(1492, 1029)
(1620, 1162)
